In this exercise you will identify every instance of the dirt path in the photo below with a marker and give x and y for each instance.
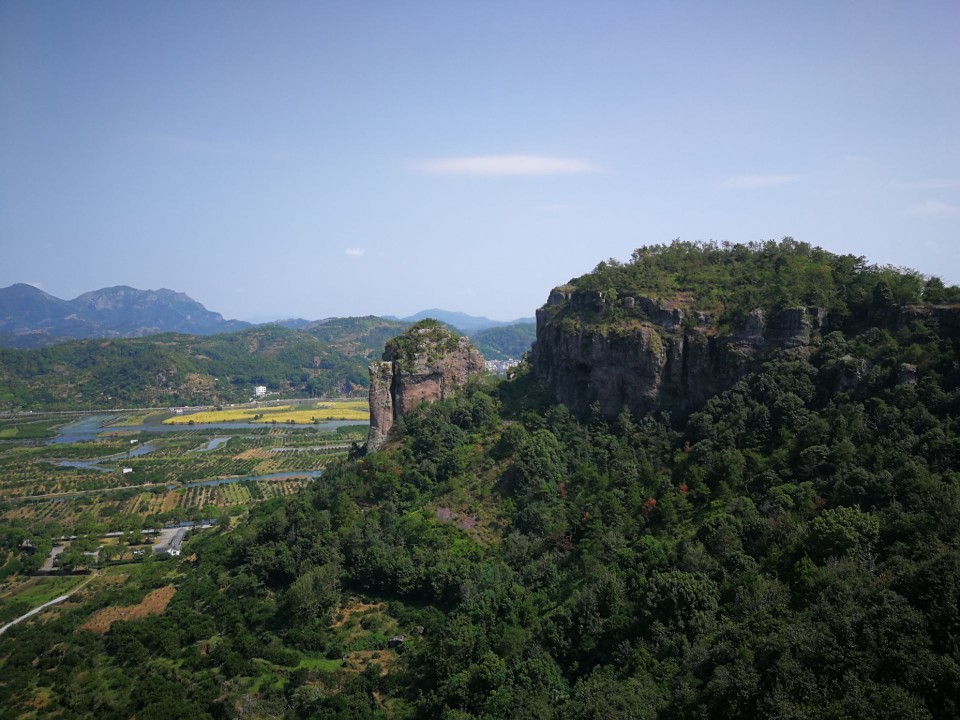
(47, 604)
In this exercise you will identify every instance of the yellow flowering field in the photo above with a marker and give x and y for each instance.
(304, 414)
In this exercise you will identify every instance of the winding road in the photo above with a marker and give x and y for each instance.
(47, 604)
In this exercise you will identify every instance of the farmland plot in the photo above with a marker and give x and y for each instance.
(36, 492)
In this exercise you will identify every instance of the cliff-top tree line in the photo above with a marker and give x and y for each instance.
(729, 280)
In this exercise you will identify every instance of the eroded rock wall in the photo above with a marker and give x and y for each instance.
(652, 353)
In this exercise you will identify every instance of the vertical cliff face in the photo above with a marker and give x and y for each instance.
(640, 353)
(381, 404)
(427, 362)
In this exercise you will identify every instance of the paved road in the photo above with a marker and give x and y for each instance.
(43, 607)
(48, 563)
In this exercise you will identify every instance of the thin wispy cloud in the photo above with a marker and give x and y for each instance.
(500, 165)
(354, 252)
(752, 182)
(934, 207)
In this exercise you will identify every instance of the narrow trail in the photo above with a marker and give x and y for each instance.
(47, 604)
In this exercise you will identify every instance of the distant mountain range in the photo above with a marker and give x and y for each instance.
(92, 351)
(499, 341)
(461, 321)
(32, 318)
(29, 317)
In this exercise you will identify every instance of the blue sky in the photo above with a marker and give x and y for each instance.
(345, 158)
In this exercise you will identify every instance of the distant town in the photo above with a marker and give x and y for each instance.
(500, 367)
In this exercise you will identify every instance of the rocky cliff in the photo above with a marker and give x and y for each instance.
(427, 362)
(639, 352)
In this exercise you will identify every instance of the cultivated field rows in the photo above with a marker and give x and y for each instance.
(36, 491)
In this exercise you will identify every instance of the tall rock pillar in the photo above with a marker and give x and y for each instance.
(427, 362)
(381, 404)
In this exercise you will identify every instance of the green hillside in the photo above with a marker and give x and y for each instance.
(790, 549)
(501, 343)
(168, 370)
(356, 336)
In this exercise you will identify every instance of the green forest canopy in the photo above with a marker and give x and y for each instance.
(791, 549)
(732, 279)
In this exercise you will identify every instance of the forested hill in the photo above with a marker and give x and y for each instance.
(501, 343)
(729, 281)
(790, 548)
(325, 357)
(356, 336)
(681, 323)
(168, 370)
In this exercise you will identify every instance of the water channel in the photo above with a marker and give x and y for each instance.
(91, 426)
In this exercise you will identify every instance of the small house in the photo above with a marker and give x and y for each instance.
(173, 549)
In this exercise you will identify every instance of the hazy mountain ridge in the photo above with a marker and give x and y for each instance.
(461, 321)
(30, 317)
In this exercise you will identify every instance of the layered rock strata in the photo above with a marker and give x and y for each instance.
(426, 363)
(651, 353)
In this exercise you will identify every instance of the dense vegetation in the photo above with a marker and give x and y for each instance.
(430, 339)
(356, 336)
(502, 343)
(731, 280)
(168, 370)
(789, 550)
(326, 358)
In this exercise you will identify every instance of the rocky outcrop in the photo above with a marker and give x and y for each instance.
(649, 353)
(427, 362)
(946, 318)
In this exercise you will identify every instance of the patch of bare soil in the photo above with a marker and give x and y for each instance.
(154, 603)
(356, 606)
(465, 521)
(360, 660)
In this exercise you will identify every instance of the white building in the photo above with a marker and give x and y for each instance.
(173, 549)
(260, 391)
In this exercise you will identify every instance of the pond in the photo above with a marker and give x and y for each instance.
(215, 443)
(94, 463)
